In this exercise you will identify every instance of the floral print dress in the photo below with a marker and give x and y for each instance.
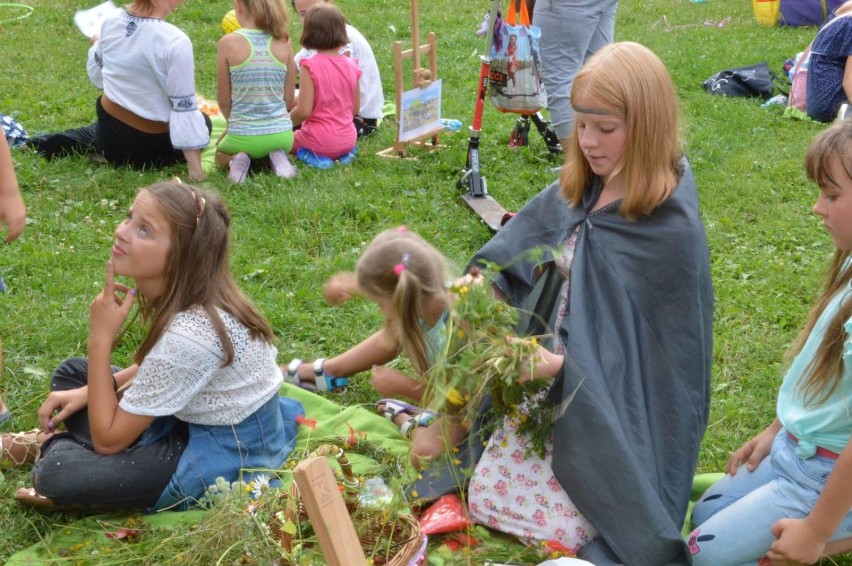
(513, 490)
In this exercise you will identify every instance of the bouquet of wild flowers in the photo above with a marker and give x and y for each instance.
(483, 355)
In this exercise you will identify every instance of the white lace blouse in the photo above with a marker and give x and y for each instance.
(146, 66)
(181, 375)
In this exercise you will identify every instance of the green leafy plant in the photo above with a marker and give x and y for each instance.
(483, 356)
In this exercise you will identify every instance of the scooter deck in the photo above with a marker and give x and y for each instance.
(489, 210)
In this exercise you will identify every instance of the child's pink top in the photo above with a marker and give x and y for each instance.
(329, 130)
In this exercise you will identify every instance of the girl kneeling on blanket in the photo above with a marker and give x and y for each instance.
(407, 278)
(201, 401)
(788, 493)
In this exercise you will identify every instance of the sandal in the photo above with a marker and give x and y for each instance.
(419, 417)
(423, 419)
(30, 498)
(322, 380)
(17, 448)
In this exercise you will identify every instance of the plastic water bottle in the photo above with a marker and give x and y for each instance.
(451, 125)
(777, 100)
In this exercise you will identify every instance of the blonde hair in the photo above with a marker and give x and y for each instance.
(198, 269)
(825, 370)
(401, 266)
(628, 80)
(270, 16)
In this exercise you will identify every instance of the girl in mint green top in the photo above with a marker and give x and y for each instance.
(788, 493)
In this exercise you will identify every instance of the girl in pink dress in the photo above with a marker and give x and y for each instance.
(328, 90)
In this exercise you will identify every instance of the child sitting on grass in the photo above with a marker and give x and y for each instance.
(370, 85)
(787, 496)
(407, 278)
(256, 83)
(328, 92)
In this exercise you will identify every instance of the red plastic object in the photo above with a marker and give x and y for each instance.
(446, 515)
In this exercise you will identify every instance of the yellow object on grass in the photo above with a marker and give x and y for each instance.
(230, 23)
(766, 11)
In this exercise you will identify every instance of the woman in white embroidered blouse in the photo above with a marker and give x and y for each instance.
(201, 401)
(147, 115)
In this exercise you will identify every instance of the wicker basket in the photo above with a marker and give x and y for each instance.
(394, 540)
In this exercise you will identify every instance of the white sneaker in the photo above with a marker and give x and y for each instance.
(240, 164)
(281, 164)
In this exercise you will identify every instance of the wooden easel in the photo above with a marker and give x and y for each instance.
(422, 77)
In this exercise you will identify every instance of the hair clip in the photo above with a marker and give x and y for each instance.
(401, 229)
(400, 267)
(200, 203)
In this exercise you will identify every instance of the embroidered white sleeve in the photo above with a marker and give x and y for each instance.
(95, 65)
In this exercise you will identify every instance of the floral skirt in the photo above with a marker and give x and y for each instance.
(516, 493)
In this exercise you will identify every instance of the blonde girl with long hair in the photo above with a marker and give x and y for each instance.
(256, 84)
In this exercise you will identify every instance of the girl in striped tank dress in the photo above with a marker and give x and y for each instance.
(256, 84)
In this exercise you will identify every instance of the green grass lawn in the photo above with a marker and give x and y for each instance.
(768, 251)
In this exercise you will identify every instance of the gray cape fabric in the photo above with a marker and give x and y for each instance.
(639, 340)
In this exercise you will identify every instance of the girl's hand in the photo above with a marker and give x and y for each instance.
(64, 404)
(754, 451)
(110, 308)
(340, 288)
(795, 543)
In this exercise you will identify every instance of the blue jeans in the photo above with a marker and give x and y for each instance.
(734, 517)
(571, 30)
(236, 452)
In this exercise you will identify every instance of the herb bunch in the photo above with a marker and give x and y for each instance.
(483, 355)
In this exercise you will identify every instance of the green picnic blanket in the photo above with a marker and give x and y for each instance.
(333, 422)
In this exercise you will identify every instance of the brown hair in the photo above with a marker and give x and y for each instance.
(270, 16)
(198, 268)
(627, 79)
(324, 28)
(401, 266)
(825, 370)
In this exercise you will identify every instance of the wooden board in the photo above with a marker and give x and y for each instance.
(327, 512)
(489, 210)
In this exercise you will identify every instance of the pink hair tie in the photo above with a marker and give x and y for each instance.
(402, 266)
(401, 229)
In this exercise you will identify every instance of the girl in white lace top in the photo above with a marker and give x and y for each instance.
(201, 401)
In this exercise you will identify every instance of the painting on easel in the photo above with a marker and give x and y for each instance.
(420, 112)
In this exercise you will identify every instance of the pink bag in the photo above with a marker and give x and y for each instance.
(799, 90)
